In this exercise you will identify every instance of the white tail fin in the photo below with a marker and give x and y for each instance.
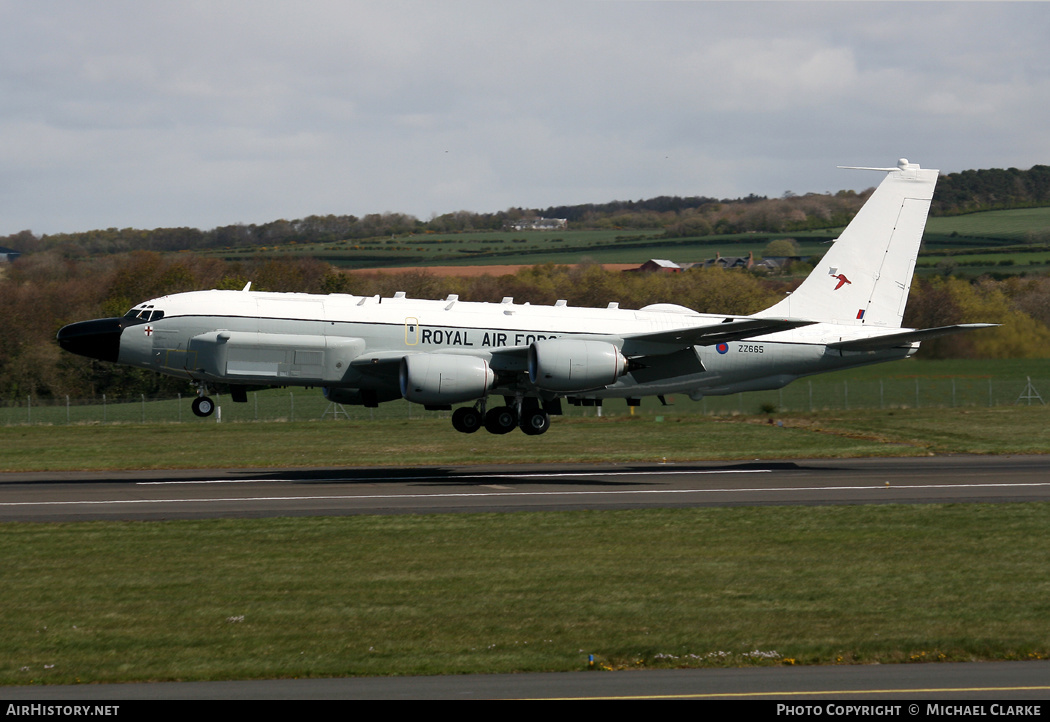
(865, 277)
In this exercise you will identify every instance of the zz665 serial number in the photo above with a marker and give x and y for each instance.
(750, 348)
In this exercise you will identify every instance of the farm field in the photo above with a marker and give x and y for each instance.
(1014, 225)
(519, 248)
(1003, 242)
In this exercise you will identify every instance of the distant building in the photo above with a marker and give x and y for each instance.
(721, 261)
(8, 254)
(779, 263)
(657, 265)
(537, 224)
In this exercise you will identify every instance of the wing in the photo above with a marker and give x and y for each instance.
(654, 355)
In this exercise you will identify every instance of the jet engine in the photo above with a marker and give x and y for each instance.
(565, 365)
(434, 378)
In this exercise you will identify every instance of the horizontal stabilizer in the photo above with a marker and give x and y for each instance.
(714, 334)
(903, 338)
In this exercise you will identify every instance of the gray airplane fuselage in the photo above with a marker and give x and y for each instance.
(344, 342)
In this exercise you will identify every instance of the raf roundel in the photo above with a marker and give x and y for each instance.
(722, 348)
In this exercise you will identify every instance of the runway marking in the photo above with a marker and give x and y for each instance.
(478, 494)
(808, 693)
(519, 475)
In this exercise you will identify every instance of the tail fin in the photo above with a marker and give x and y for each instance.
(864, 278)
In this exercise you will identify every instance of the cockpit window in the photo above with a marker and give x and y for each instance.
(142, 314)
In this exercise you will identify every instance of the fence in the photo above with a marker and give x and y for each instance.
(301, 404)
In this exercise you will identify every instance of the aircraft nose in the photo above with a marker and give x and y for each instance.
(96, 339)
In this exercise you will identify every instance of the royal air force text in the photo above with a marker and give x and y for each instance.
(481, 339)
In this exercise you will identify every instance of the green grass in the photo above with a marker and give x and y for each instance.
(462, 593)
(431, 440)
(459, 593)
(907, 407)
(1013, 225)
(904, 384)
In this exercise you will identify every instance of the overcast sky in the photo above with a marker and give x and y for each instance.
(156, 114)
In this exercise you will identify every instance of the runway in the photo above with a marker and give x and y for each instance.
(216, 493)
(866, 684)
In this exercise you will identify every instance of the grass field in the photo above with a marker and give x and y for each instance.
(459, 593)
(621, 438)
(1013, 226)
(912, 383)
(462, 593)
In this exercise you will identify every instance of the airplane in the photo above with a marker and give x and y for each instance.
(366, 350)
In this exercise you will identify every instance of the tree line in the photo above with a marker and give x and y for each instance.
(43, 291)
(988, 190)
(964, 192)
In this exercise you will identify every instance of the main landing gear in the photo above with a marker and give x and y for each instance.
(534, 422)
(531, 419)
(466, 420)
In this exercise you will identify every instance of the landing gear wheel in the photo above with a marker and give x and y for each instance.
(535, 422)
(501, 420)
(466, 420)
(203, 406)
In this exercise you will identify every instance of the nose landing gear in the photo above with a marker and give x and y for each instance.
(203, 406)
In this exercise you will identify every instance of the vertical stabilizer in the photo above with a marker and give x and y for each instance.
(865, 277)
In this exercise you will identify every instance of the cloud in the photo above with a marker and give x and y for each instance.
(207, 113)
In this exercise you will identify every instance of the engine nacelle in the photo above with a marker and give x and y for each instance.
(566, 365)
(434, 378)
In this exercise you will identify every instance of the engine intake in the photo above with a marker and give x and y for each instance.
(565, 365)
(433, 378)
